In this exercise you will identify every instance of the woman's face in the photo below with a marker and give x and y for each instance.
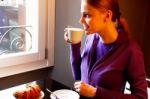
(91, 18)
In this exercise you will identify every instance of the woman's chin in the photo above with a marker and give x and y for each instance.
(88, 32)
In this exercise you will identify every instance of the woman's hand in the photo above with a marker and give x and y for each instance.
(84, 89)
(66, 36)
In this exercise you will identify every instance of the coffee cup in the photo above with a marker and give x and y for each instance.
(75, 35)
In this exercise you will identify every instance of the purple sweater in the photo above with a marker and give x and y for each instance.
(109, 66)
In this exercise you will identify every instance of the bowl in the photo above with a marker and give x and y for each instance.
(65, 94)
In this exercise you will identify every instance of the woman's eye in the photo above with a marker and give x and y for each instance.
(86, 15)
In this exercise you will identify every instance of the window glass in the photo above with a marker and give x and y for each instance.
(17, 26)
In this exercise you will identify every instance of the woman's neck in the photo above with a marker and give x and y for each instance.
(109, 35)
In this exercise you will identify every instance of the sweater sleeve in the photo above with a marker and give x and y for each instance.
(75, 60)
(136, 77)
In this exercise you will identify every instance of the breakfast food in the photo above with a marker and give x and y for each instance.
(33, 91)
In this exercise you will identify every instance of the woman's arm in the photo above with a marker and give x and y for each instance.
(75, 60)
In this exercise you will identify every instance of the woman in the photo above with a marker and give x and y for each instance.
(110, 57)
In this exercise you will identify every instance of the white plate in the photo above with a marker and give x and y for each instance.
(65, 94)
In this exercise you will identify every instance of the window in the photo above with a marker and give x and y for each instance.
(25, 33)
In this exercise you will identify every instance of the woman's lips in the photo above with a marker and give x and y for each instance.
(86, 28)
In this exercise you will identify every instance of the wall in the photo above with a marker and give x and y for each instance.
(39, 75)
(137, 14)
(134, 12)
(68, 13)
(147, 39)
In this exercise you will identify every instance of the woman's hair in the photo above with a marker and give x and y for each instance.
(113, 6)
(107, 4)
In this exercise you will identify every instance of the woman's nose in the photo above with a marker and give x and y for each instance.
(81, 21)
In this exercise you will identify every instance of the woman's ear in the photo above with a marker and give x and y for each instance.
(108, 16)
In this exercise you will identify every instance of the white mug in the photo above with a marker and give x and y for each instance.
(75, 35)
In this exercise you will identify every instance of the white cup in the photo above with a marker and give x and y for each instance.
(75, 35)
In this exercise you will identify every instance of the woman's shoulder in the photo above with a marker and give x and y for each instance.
(129, 41)
(133, 47)
(133, 44)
